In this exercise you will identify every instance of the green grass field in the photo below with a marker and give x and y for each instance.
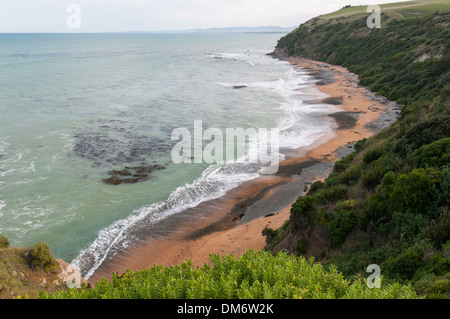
(402, 10)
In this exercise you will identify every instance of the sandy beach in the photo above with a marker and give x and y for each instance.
(234, 222)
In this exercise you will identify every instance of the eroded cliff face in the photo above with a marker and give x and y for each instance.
(18, 280)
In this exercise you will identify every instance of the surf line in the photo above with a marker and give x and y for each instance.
(240, 146)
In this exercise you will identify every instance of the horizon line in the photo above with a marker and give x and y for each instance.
(278, 29)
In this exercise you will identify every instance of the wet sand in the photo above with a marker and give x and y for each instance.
(234, 223)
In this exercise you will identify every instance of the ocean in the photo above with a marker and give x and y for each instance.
(82, 114)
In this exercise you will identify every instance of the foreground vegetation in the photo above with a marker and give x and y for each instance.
(34, 273)
(387, 202)
(255, 275)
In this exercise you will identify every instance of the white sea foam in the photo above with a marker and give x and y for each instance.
(2, 204)
(3, 145)
(252, 57)
(215, 181)
(296, 129)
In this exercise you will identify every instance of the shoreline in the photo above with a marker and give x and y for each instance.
(234, 223)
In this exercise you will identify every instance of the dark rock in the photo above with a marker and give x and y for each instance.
(120, 173)
(113, 180)
(131, 175)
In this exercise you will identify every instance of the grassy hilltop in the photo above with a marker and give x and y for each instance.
(387, 202)
(399, 10)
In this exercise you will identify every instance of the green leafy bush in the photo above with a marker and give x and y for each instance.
(436, 154)
(406, 227)
(40, 257)
(333, 193)
(415, 191)
(343, 223)
(445, 187)
(438, 231)
(373, 154)
(437, 264)
(433, 286)
(4, 242)
(269, 233)
(423, 133)
(303, 205)
(344, 163)
(372, 211)
(350, 176)
(274, 236)
(403, 266)
(314, 187)
(254, 275)
(332, 180)
(372, 175)
(360, 144)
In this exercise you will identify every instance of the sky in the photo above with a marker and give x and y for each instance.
(30, 16)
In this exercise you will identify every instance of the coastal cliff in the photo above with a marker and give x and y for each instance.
(387, 202)
(27, 271)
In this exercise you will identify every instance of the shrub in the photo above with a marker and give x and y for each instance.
(40, 257)
(415, 191)
(269, 233)
(4, 242)
(348, 204)
(342, 224)
(344, 163)
(371, 211)
(422, 134)
(373, 154)
(314, 187)
(359, 145)
(436, 154)
(445, 187)
(303, 205)
(274, 237)
(438, 231)
(332, 180)
(437, 264)
(333, 193)
(407, 227)
(372, 176)
(254, 275)
(434, 287)
(350, 176)
(403, 266)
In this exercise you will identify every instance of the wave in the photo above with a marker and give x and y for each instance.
(38, 55)
(251, 57)
(2, 204)
(3, 146)
(214, 182)
(300, 125)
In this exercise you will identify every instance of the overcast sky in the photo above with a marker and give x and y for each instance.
(151, 15)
